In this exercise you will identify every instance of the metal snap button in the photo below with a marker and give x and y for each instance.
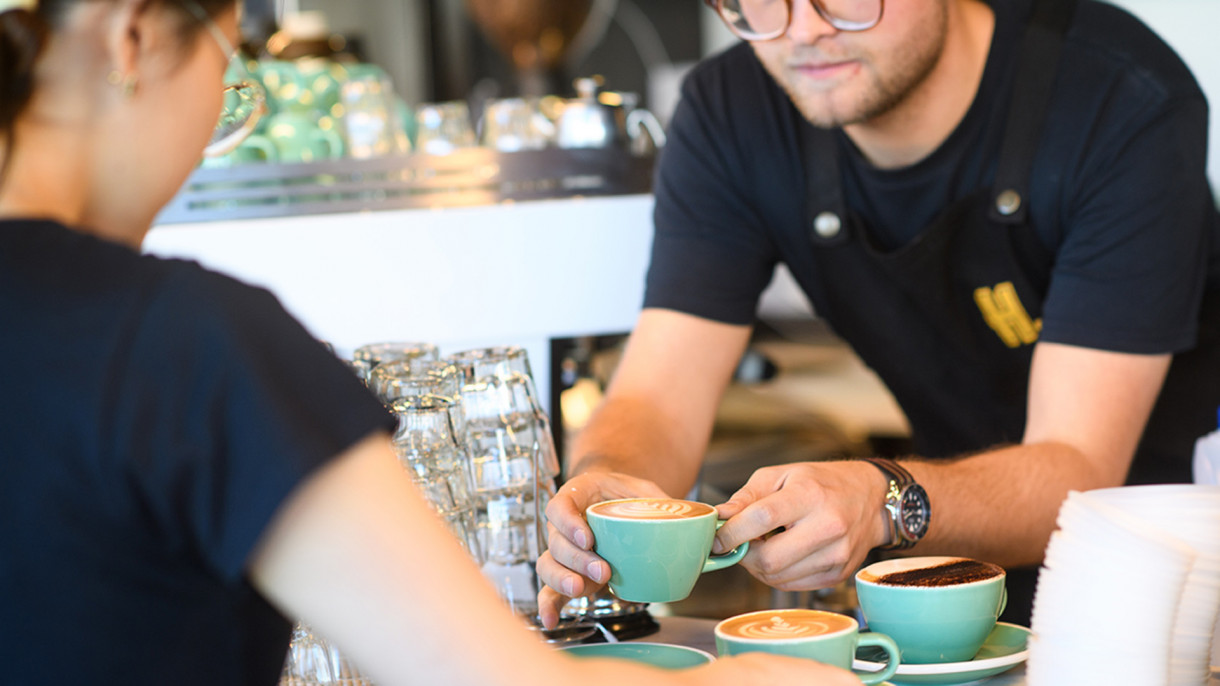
(1008, 202)
(827, 224)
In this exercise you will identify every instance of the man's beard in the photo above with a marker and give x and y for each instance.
(883, 92)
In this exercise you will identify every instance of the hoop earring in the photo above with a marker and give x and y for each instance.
(125, 83)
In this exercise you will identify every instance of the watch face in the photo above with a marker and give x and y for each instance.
(914, 511)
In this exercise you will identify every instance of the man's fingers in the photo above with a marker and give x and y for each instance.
(564, 563)
(569, 568)
(783, 563)
(759, 518)
(566, 511)
(565, 515)
(562, 584)
(805, 556)
(550, 603)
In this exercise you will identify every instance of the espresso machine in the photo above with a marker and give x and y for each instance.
(538, 36)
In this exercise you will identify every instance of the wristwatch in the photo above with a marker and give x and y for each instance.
(906, 504)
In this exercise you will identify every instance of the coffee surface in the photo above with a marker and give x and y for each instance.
(779, 625)
(950, 573)
(651, 508)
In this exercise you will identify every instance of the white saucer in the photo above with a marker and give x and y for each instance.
(1005, 648)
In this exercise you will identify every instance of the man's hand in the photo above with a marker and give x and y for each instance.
(568, 567)
(810, 524)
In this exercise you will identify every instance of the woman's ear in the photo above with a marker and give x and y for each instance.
(129, 36)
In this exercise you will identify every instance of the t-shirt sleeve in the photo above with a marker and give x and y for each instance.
(227, 404)
(1132, 267)
(710, 255)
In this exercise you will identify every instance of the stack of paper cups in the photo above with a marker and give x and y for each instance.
(1106, 600)
(1190, 514)
(1130, 588)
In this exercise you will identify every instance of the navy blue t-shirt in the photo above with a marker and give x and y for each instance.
(1118, 195)
(153, 416)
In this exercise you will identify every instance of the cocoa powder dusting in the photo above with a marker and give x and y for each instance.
(947, 574)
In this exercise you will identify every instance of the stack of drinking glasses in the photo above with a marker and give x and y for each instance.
(375, 354)
(1130, 588)
(514, 464)
(478, 443)
(315, 661)
(426, 446)
(423, 392)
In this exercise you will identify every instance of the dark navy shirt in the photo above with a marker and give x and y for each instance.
(1127, 237)
(1119, 190)
(153, 416)
(1118, 198)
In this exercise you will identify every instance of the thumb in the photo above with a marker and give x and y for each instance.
(728, 510)
(731, 508)
(745, 496)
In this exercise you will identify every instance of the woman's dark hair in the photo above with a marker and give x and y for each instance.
(24, 32)
(22, 35)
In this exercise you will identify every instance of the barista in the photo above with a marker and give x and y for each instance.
(1002, 206)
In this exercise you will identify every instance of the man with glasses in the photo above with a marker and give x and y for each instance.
(1002, 206)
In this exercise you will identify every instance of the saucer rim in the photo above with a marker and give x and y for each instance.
(947, 668)
(647, 644)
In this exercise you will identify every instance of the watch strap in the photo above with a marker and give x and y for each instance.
(900, 479)
(892, 469)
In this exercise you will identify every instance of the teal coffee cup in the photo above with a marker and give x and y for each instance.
(825, 637)
(301, 137)
(657, 547)
(938, 609)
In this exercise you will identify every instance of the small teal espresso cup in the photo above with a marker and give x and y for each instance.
(825, 637)
(938, 609)
(657, 547)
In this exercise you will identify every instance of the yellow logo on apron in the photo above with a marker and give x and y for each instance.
(1004, 313)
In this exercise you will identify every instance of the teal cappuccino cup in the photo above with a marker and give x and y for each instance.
(657, 547)
(301, 137)
(938, 609)
(826, 637)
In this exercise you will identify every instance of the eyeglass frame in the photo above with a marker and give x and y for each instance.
(246, 80)
(837, 23)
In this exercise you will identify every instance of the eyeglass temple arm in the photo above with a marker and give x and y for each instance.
(199, 13)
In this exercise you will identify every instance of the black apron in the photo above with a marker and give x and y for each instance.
(964, 296)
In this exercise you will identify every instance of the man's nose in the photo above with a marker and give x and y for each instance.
(807, 25)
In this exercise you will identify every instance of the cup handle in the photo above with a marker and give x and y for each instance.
(728, 559)
(871, 639)
(264, 145)
(333, 141)
(1003, 601)
(643, 120)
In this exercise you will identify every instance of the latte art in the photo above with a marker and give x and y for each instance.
(651, 508)
(778, 626)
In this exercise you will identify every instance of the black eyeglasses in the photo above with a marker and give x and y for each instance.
(759, 20)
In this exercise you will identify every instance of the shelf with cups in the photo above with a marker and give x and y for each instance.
(465, 177)
(334, 137)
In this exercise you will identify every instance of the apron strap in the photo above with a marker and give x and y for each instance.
(825, 209)
(1032, 90)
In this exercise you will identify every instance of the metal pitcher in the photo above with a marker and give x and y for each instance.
(595, 119)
